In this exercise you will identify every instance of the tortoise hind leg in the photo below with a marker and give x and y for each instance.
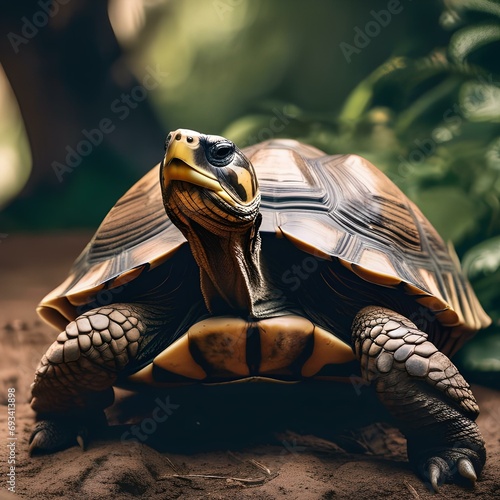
(73, 382)
(425, 392)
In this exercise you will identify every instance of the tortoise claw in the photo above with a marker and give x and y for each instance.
(37, 442)
(50, 436)
(58, 433)
(449, 467)
(466, 469)
(435, 476)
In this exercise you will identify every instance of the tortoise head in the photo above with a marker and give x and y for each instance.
(210, 193)
(206, 178)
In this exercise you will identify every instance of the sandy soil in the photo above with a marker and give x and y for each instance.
(240, 441)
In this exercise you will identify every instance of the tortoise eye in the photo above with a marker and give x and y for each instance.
(221, 153)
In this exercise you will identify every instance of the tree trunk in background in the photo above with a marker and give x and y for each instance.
(69, 74)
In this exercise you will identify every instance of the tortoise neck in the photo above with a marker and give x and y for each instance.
(230, 268)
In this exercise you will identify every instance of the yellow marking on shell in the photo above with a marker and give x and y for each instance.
(327, 350)
(376, 267)
(127, 276)
(143, 376)
(375, 277)
(222, 342)
(86, 286)
(451, 289)
(155, 262)
(82, 297)
(59, 291)
(464, 310)
(412, 289)
(379, 278)
(448, 317)
(430, 281)
(373, 179)
(177, 358)
(57, 315)
(282, 340)
(432, 303)
(302, 241)
(293, 171)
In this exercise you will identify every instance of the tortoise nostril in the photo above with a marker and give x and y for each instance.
(178, 137)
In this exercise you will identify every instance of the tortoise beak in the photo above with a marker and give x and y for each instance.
(180, 163)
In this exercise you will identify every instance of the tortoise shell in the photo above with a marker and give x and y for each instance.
(366, 241)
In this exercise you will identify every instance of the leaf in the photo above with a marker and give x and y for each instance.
(483, 259)
(480, 102)
(450, 210)
(486, 6)
(360, 98)
(483, 355)
(471, 38)
(493, 155)
(481, 264)
(425, 103)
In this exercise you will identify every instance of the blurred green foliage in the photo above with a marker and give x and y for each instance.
(432, 124)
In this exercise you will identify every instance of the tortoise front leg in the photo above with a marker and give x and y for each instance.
(422, 388)
(73, 382)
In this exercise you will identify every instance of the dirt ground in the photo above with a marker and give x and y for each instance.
(264, 441)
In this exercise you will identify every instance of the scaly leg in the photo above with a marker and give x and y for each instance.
(73, 382)
(422, 388)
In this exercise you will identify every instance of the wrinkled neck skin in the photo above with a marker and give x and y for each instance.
(230, 271)
(227, 253)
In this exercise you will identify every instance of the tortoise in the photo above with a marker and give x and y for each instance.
(275, 262)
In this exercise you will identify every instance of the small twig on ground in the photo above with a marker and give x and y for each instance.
(262, 467)
(249, 481)
(253, 462)
(172, 465)
(256, 481)
(412, 490)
